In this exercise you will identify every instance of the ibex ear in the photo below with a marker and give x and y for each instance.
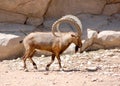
(73, 35)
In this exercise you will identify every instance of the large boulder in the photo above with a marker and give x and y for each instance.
(23, 11)
(101, 40)
(10, 47)
(35, 8)
(111, 9)
(10, 17)
(10, 36)
(91, 36)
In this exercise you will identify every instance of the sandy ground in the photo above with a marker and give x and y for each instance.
(96, 68)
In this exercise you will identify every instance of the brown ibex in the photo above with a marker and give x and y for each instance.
(51, 42)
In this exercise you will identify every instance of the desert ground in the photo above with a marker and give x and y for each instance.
(94, 68)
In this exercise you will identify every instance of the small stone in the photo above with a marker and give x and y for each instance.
(54, 83)
(67, 82)
(94, 79)
(42, 56)
(46, 73)
(89, 63)
(67, 58)
(91, 69)
(100, 80)
(18, 59)
(6, 71)
(98, 59)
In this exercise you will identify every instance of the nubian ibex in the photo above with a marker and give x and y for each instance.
(56, 44)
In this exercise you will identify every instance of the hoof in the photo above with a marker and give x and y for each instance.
(35, 67)
(26, 70)
(47, 68)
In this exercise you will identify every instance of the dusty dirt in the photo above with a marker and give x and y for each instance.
(96, 68)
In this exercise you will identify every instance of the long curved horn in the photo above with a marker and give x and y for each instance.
(56, 26)
(70, 19)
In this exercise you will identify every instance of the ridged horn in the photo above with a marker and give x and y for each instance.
(73, 20)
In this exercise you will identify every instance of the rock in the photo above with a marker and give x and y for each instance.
(109, 39)
(99, 22)
(42, 56)
(111, 9)
(16, 29)
(98, 59)
(10, 17)
(112, 1)
(34, 21)
(62, 7)
(10, 47)
(27, 7)
(92, 69)
(5, 38)
(89, 62)
(70, 49)
(91, 36)
(23, 9)
(46, 73)
(104, 39)
(94, 79)
(6, 71)
(48, 23)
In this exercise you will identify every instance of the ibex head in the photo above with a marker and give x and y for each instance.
(73, 20)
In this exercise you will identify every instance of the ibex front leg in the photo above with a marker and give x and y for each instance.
(52, 60)
(59, 62)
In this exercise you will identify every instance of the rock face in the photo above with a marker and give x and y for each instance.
(111, 9)
(112, 1)
(25, 9)
(62, 7)
(33, 11)
(34, 21)
(10, 17)
(16, 29)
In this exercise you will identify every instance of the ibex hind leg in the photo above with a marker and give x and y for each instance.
(30, 57)
(26, 55)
